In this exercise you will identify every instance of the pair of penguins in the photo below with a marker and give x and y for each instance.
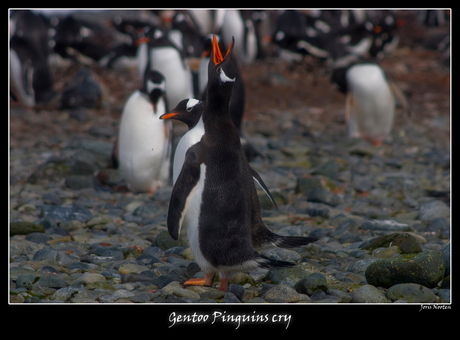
(214, 195)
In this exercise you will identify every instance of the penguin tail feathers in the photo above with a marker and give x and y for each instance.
(293, 241)
(266, 262)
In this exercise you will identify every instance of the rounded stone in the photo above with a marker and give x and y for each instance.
(132, 268)
(411, 292)
(314, 283)
(46, 254)
(384, 253)
(368, 294)
(426, 269)
(281, 294)
(26, 280)
(88, 277)
(433, 209)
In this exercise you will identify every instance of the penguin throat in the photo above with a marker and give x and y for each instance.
(224, 78)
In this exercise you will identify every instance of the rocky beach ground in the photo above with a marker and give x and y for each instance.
(381, 214)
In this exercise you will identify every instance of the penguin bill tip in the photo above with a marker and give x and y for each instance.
(217, 54)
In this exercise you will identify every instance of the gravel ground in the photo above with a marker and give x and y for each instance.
(381, 214)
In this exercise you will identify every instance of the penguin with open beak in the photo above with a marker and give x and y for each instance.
(213, 194)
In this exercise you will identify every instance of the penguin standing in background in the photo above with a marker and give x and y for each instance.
(189, 111)
(144, 142)
(157, 52)
(233, 24)
(213, 193)
(370, 101)
(30, 74)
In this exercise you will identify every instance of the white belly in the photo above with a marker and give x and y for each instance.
(179, 83)
(372, 106)
(191, 221)
(143, 144)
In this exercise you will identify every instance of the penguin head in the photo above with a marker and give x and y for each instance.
(222, 70)
(154, 85)
(187, 111)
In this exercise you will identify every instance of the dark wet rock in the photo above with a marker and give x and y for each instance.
(24, 228)
(426, 269)
(406, 242)
(446, 253)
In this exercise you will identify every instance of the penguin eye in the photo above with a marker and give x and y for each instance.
(219, 69)
(189, 109)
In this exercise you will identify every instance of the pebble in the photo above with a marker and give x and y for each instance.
(77, 239)
(411, 292)
(368, 294)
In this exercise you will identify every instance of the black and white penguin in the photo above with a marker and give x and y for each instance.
(189, 112)
(213, 193)
(370, 101)
(30, 73)
(158, 52)
(144, 142)
(233, 24)
(237, 100)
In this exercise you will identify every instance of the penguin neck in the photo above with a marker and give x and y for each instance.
(218, 100)
(216, 117)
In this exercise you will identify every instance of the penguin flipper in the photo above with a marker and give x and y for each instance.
(259, 180)
(183, 191)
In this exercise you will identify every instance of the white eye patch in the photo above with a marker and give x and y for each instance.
(223, 77)
(151, 86)
(191, 103)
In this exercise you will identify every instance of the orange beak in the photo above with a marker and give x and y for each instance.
(217, 55)
(168, 115)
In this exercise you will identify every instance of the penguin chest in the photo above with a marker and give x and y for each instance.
(143, 144)
(371, 102)
(186, 142)
(192, 221)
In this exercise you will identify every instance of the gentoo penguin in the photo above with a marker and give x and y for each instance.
(30, 73)
(237, 100)
(189, 111)
(370, 102)
(159, 53)
(144, 142)
(212, 195)
(233, 24)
